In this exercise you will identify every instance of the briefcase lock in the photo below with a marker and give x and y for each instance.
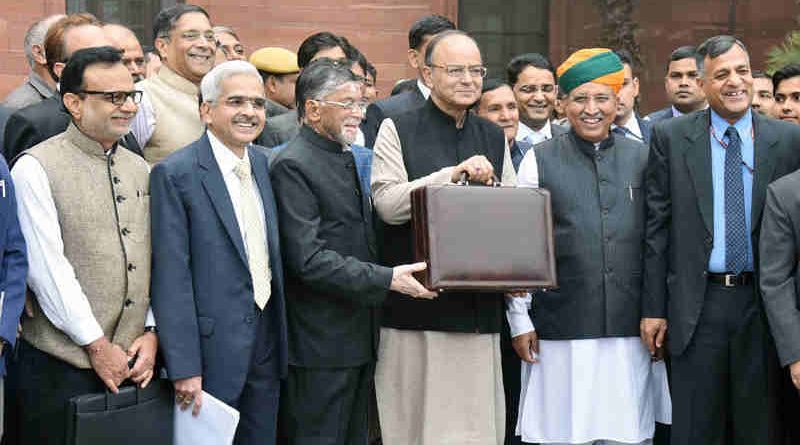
(464, 180)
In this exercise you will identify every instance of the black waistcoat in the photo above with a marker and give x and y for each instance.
(431, 141)
(598, 214)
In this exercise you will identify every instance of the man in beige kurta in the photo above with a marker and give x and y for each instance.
(438, 376)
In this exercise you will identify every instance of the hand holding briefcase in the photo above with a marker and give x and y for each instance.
(483, 238)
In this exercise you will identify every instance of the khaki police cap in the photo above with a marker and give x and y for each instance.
(275, 60)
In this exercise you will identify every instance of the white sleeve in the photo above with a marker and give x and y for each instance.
(528, 175)
(50, 275)
(517, 314)
(144, 122)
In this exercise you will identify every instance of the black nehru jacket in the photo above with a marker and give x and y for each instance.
(334, 286)
(430, 141)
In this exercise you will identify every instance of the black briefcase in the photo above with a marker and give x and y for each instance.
(133, 416)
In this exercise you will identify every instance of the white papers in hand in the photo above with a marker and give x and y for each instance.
(215, 425)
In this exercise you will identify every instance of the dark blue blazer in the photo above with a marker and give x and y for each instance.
(646, 127)
(660, 115)
(201, 290)
(13, 263)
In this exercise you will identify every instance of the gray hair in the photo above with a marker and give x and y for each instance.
(222, 29)
(211, 83)
(35, 35)
(319, 79)
(716, 46)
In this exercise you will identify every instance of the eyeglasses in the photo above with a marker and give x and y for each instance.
(228, 50)
(193, 36)
(117, 98)
(239, 102)
(474, 71)
(349, 105)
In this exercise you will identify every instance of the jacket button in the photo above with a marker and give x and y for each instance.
(248, 319)
(128, 302)
(131, 267)
(125, 231)
(115, 179)
(120, 198)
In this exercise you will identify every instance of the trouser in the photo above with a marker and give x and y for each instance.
(259, 401)
(43, 386)
(327, 406)
(721, 383)
(511, 383)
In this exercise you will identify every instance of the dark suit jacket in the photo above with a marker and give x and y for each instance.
(780, 264)
(279, 130)
(36, 123)
(389, 107)
(646, 127)
(660, 115)
(557, 130)
(680, 212)
(201, 288)
(334, 289)
(13, 264)
(5, 113)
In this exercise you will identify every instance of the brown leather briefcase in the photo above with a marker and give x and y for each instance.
(483, 238)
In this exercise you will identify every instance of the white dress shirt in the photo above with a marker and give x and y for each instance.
(426, 92)
(227, 160)
(632, 125)
(50, 274)
(525, 132)
(144, 122)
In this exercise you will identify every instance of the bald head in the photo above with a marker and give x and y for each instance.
(125, 40)
(454, 70)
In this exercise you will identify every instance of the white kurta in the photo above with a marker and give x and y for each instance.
(586, 390)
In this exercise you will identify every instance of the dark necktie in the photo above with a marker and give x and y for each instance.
(624, 132)
(735, 219)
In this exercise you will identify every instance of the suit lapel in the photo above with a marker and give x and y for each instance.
(214, 185)
(765, 138)
(698, 161)
(260, 166)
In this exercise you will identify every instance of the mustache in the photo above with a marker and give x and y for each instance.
(597, 115)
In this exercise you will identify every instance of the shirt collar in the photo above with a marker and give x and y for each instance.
(590, 148)
(744, 125)
(226, 158)
(526, 132)
(676, 112)
(426, 92)
(632, 125)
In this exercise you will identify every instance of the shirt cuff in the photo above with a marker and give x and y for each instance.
(150, 320)
(519, 321)
(85, 331)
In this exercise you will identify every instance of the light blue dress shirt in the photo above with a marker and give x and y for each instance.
(745, 128)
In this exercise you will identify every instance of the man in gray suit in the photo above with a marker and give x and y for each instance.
(705, 188)
(39, 85)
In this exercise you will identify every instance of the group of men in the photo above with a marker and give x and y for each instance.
(246, 226)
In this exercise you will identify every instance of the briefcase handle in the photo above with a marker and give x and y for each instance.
(464, 180)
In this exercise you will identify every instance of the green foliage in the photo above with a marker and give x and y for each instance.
(784, 54)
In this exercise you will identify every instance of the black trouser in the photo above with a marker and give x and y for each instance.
(43, 385)
(511, 383)
(326, 406)
(721, 383)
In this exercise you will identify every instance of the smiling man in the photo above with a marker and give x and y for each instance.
(533, 79)
(217, 283)
(590, 325)
(787, 93)
(168, 117)
(335, 287)
(84, 210)
(498, 104)
(705, 184)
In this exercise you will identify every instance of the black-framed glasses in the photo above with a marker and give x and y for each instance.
(349, 105)
(117, 98)
(474, 71)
